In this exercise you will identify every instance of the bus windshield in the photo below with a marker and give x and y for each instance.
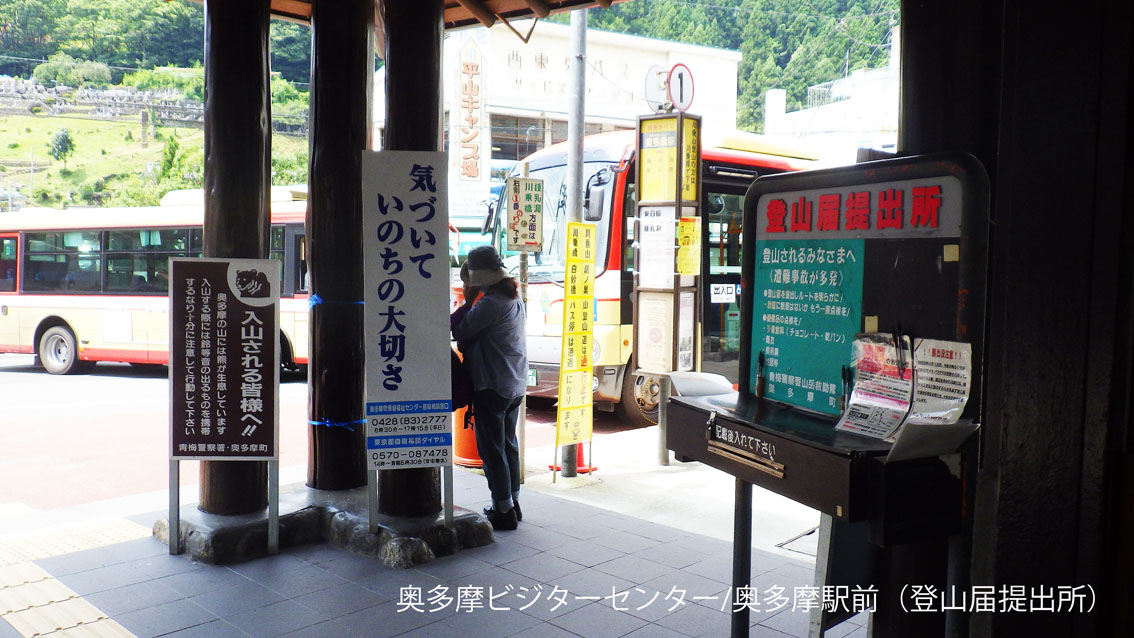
(547, 265)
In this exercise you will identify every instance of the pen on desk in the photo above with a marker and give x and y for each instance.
(761, 380)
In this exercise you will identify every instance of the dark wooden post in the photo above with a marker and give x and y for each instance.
(237, 206)
(342, 68)
(414, 31)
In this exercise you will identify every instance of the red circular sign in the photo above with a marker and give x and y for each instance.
(680, 87)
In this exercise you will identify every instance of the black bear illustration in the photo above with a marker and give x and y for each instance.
(252, 283)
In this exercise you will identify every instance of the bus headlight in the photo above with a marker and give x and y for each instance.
(597, 352)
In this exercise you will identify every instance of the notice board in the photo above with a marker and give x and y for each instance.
(895, 246)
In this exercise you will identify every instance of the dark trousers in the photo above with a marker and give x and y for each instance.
(494, 419)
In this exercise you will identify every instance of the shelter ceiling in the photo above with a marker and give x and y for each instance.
(463, 13)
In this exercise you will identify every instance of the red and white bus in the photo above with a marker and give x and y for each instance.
(728, 169)
(85, 285)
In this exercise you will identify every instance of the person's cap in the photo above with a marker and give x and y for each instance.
(482, 267)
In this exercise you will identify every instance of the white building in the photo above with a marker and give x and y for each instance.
(506, 99)
(857, 111)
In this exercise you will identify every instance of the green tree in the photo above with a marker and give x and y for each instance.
(64, 70)
(27, 29)
(290, 46)
(62, 146)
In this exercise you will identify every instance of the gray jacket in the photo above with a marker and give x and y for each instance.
(491, 338)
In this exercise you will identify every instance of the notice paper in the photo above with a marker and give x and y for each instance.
(883, 386)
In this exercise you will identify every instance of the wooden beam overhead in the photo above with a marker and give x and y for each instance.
(477, 8)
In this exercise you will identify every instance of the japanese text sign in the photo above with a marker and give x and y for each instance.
(470, 113)
(224, 359)
(689, 246)
(525, 213)
(408, 401)
(841, 252)
(573, 419)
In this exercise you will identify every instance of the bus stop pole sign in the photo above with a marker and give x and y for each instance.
(680, 87)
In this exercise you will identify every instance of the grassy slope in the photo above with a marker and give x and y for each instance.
(101, 149)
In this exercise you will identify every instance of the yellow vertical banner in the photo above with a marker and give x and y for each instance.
(689, 246)
(573, 422)
(690, 158)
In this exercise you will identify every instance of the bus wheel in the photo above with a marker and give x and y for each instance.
(638, 405)
(59, 352)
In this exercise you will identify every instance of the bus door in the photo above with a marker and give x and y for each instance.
(9, 277)
(723, 206)
(296, 284)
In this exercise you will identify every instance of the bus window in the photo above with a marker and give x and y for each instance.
(64, 261)
(8, 264)
(548, 264)
(724, 212)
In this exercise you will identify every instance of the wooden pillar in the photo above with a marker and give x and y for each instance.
(237, 177)
(414, 31)
(342, 68)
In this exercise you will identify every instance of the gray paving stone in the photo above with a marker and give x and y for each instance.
(672, 554)
(339, 600)
(299, 581)
(77, 562)
(208, 579)
(215, 629)
(268, 567)
(625, 541)
(633, 568)
(337, 628)
(385, 620)
(545, 630)
(793, 623)
(680, 583)
(697, 621)
(543, 568)
(351, 567)
(483, 623)
(598, 621)
(103, 578)
(141, 548)
(163, 565)
(8, 631)
(231, 601)
(165, 619)
(455, 566)
(133, 597)
(760, 631)
(843, 629)
(646, 603)
(582, 529)
(586, 553)
(654, 631)
(278, 619)
(539, 538)
(661, 533)
(388, 585)
(500, 552)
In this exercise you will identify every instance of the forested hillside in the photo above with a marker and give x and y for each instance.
(787, 44)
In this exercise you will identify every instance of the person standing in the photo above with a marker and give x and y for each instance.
(490, 335)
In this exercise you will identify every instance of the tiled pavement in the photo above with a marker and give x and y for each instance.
(571, 569)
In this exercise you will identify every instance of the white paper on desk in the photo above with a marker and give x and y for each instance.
(921, 440)
(883, 387)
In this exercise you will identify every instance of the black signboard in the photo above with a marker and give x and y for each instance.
(224, 359)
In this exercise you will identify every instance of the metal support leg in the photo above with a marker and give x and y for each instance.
(741, 556)
(822, 565)
(666, 389)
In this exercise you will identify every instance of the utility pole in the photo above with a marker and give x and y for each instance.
(575, 131)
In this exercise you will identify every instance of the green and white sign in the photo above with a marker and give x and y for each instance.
(807, 307)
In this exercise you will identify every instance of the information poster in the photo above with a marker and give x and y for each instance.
(224, 359)
(525, 214)
(408, 403)
(658, 146)
(883, 387)
(690, 159)
(656, 246)
(807, 299)
(689, 246)
(574, 416)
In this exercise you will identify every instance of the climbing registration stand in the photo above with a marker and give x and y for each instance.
(861, 341)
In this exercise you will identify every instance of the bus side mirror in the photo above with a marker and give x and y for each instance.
(592, 209)
(489, 217)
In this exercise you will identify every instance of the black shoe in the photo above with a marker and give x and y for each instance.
(501, 521)
(519, 512)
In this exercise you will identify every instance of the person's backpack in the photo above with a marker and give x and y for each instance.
(462, 382)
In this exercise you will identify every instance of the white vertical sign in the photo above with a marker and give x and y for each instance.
(408, 403)
(525, 214)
